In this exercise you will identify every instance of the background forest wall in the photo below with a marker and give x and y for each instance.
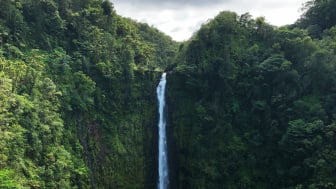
(252, 105)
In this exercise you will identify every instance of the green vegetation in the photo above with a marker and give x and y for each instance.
(250, 105)
(77, 95)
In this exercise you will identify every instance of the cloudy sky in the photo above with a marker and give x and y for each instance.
(181, 18)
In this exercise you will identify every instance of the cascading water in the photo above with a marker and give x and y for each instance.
(163, 159)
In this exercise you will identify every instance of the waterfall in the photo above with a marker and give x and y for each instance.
(163, 159)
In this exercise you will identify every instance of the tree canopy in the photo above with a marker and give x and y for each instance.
(250, 105)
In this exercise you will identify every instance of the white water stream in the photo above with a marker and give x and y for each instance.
(163, 159)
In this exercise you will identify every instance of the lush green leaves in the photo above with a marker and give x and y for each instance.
(77, 88)
(251, 106)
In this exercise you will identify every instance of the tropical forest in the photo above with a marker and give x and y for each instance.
(247, 105)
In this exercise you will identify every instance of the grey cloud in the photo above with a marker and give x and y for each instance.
(176, 29)
(171, 3)
(181, 18)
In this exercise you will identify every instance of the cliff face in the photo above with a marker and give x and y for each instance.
(121, 143)
(249, 105)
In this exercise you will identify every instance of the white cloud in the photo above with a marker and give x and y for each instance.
(181, 20)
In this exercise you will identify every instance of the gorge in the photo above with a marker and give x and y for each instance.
(251, 105)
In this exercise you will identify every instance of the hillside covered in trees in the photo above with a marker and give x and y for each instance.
(253, 106)
(250, 105)
(77, 108)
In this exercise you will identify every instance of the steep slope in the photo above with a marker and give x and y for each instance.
(318, 16)
(252, 106)
(77, 89)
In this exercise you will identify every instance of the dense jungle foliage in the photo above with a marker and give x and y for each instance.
(77, 100)
(253, 106)
(250, 105)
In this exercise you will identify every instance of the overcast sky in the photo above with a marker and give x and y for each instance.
(181, 18)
